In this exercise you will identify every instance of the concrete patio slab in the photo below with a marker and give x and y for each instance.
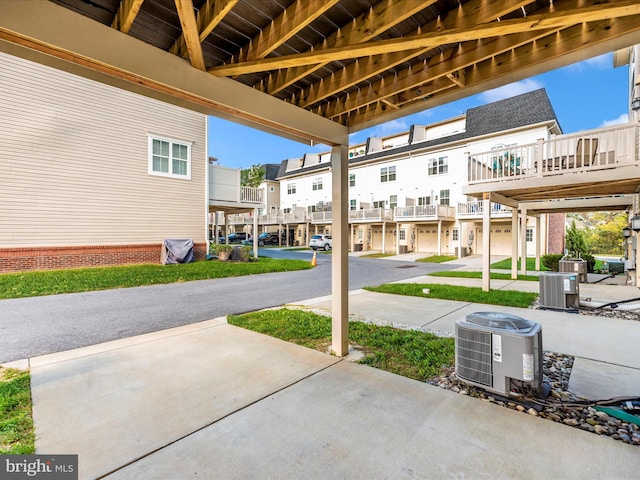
(353, 421)
(602, 381)
(114, 403)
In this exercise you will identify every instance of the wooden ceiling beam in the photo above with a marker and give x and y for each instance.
(126, 15)
(433, 39)
(513, 63)
(376, 21)
(453, 60)
(187, 16)
(296, 17)
(474, 12)
(208, 17)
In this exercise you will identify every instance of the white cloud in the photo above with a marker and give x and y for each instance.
(388, 128)
(601, 62)
(621, 120)
(511, 90)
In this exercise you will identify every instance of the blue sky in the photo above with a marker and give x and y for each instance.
(585, 95)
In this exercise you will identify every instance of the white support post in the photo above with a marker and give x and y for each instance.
(340, 257)
(538, 240)
(255, 233)
(384, 231)
(486, 244)
(514, 243)
(439, 237)
(523, 242)
(397, 238)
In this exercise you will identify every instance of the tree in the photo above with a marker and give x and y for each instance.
(575, 241)
(252, 176)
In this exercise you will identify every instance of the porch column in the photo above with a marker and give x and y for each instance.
(538, 240)
(523, 243)
(340, 256)
(351, 239)
(255, 233)
(384, 231)
(279, 234)
(486, 243)
(514, 243)
(215, 226)
(439, 237)
(398, 238)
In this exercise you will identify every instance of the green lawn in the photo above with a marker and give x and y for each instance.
(31, 284)
(509, 298)
(16, 426)
(437, 259)
(493, 276)
(506, 264)
(410, 353)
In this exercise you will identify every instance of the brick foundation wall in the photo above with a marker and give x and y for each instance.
(555, 233)
(58, 258)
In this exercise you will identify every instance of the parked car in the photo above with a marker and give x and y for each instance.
(267, 238)
(320, 242)
(235, 238)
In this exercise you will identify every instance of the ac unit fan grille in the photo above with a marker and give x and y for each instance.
(473, 356)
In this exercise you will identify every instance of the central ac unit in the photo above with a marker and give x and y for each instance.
(559, 290)
(499, 352)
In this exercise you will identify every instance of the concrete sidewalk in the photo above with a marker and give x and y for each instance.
(215, 401)
(211, 400)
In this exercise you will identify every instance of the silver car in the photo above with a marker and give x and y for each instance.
(322, 242)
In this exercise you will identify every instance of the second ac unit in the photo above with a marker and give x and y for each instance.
(499, 352)
(560, 291)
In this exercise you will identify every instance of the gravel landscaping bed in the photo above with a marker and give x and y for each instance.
(560, 406)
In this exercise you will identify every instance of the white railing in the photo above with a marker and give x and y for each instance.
(321, 217)
(423, 212)
(270, 218)
(476, 209)
(586, 151)
(294, 217)
(250, 195)
(370, 215)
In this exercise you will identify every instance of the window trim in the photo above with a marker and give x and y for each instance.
(438, 166)
(386, 173)
(171, 141)
(291, 188)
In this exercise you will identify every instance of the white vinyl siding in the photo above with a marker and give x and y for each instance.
(75, 163)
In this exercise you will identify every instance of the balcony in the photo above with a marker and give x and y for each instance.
(424, 213)
(270, 219)
(370, 215)
(294, 217)
(227, 194)
(596, 162)
(474, 210)
(321, 217)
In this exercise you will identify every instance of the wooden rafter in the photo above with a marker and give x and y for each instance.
(507, 63)
(453, 60)
(126, 14)
(189, 25)
(380, 18)
(369, 67)
(434, 39)
(297, 16)
(209, 16)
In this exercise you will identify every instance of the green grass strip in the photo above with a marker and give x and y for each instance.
(493, 276)
(437, 259)
(508, 298)
(16, 424)
(31, 284)
(410, 353)
(506, 265)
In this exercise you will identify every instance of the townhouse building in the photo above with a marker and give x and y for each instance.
(405, 190)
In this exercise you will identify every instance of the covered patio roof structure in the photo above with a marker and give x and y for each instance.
(314, 70)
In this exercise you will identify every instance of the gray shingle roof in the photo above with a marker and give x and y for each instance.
(529, 108)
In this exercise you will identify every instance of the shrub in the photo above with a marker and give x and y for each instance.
(591, 261)
(552, 261)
